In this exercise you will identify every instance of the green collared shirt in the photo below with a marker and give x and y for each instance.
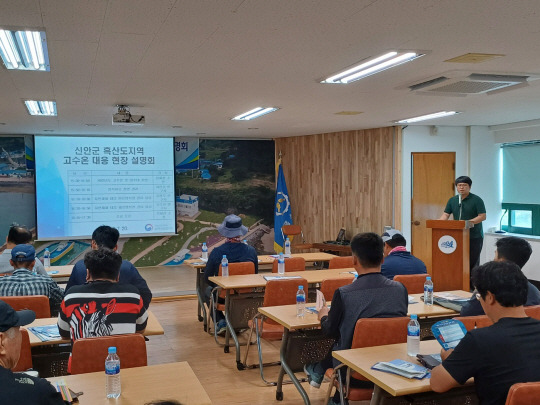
(471, 207)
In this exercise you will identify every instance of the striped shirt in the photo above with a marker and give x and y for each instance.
(101, 308)
(23, 282)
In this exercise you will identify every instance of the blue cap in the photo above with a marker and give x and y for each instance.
(112, 349)
(23, 253)
(224, 257)
(428, 278)
(414, 316)
(300, 287)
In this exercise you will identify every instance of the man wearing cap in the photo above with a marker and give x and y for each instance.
(397, 260)
(24, 282)
(236, 252)
(107, 237)
(468, 206)
(17, 235)
(19, 388)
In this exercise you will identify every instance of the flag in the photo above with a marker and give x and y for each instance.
(282, 210)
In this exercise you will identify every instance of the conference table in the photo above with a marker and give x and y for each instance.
(60, 272)
(391, 385)
(263, 260)
(285, 315)
(153, 327)
(140, 385)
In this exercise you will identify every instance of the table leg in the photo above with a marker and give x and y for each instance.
(201, 310)
(230, 332)
(286, 369)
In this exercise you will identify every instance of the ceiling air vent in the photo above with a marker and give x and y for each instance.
(458, 83)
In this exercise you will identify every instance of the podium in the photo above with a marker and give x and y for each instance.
(449, 254)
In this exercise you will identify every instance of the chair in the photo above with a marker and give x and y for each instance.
(473, 322)
(37, 303)
(414, 283)
(25, 360)
(277, 292)
(330, 285)
(533, 311)
(291, 264)
(295, 230)
(89, 354)
(523, 394)
(367, 333)
(341, 262)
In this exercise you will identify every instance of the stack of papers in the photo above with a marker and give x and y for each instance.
(46, 333)
(314, 310)
(402, 368)
(449, 296)
(412, 300)
(268, 278)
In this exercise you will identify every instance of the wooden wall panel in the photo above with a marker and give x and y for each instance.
(343, 180)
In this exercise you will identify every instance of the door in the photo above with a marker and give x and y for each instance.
(433, 176)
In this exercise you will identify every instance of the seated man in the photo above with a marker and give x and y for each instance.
(107, 237)
(500, 355)
(19, 388)
(511, 249)
(397, 260)
(18, 235)
(102, 306)
(236, 252)
(24, 282)
(371, 295)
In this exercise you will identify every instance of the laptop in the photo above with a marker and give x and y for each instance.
(340, 239)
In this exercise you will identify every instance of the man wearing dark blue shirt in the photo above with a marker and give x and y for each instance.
(105, 236)
(397, 260)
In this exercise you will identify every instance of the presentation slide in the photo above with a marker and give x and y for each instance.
(85, 182)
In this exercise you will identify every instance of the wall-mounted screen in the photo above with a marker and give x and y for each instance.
(85, 182)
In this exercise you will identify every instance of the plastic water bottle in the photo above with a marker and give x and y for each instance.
(413, 336)
(112, 373)
(287, 248)
(428, 291)
(300, 301)
(204, 251)
(281, 264)
(47, 259)
(224, 266)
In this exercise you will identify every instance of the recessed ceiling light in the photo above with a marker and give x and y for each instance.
(256, 112)
(475, 57)
(24, 50)
(372, 66)
(177, 126)
(428, 117)
(43, 108)
(349, 113)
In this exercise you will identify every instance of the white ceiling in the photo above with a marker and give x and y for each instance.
(197, 63)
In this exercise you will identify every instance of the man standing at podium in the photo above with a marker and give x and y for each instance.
(469, 207)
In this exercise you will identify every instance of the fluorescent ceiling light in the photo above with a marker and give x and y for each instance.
(43, 108)
(256, 112)
(427, 117)
(24, 50)
(372, 66)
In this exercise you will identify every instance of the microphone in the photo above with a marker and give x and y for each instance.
(500, 222)
(459, 196)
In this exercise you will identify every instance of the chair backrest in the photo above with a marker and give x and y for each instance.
(37, 303)
(370, 332)
(282, 292)
(472, 322)
(523, 394)
(533, 311)
(414, 283)
(330, 285)
(237, 269)
(291, 264)
(89, 354)
(25, 360)
(341, 262)
(291, 230)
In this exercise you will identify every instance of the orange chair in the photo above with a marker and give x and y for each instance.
(330, 285)
(235, 269)
(25, 360)
(341, 262)
(533, 311)
(473, 322)
(367, 333)
(291, 264)
(277, 292)
(37, 303)
(524, 394)
(414, 283)
(89, 354)
(295, 230)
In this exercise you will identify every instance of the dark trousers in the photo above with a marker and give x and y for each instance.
(207, 293)
(475, 247)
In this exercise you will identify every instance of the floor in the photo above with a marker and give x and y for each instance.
(185, 340)
(169, 280)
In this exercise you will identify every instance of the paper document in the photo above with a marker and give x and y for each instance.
(402, 368)
(449, 296)
(268, 278)
(46, 333)
(412, 300)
